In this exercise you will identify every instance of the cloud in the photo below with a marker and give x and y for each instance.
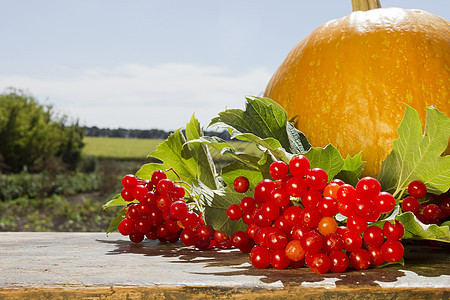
(138, 96)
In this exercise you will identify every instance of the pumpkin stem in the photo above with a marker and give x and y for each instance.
(364, 5)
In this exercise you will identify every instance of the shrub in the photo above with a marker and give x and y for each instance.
(33, 137)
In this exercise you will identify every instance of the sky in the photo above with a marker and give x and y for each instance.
(153, 64)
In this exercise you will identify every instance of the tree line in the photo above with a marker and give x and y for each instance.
(142, 133)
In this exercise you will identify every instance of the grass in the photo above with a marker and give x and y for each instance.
(120, 148)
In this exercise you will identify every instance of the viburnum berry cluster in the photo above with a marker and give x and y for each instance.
(159, 211)
(292, 220)
(427, 212)
(298, 217)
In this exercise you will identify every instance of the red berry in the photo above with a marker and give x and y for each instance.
(178, 210)
(311, 242)
(352, 241)
(392, 251)
(234, 212)
(346, 194)
(328, 207)
(311, 198)
(360, 259)
(247, 204)
(317, 179)
(127, 194)
(339, 261)
(279, 259)
(299, 166)
(368, 188)
(260, 257)
(129, 181)
(296, 187)
(276, 239)
(417, 189)
(157, 176)
(376, 256)
(431, 211)
(373, 236)
(410, 204)
(278, 170)
(319, 263)
(126, 226)
(241, 184)
(263, 190)
(384, 202)
(393, 231)
(136, 237)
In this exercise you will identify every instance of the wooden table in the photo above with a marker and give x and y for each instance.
(95, 266)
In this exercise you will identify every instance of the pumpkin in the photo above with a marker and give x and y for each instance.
(349, 80)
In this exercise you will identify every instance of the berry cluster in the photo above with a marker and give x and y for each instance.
(426, 212)
(292, 220)
(157, 211)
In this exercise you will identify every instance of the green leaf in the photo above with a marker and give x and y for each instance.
(352, 169)
(191, 162)
(414, 229)
(418, 157)
(117, 200)
(329, 159)
(233, 170)
(114, 224)
(263, 122)
(227, 149)
(205, 168)
(216, 203)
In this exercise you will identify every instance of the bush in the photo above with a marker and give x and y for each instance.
(34, 138)
(45, 184)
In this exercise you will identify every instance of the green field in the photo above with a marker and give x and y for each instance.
(122, 148)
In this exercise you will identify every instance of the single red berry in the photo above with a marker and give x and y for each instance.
(247, 204)
(317, 179)
(234, 212)
(384, 202)
(411, 204)
(339, 261)
(368, 188)
(299, 166)
(431, 211)
(296, 186)
(376, 256)
(157, 176)
(126, 226)
(129, 181)
(319, 263)
(260, 257)
(393, 231)
(278, 170)
(360, 259)
(392, 251)
(263, 190)
(373, 236)
(241, 184)
(417, 189)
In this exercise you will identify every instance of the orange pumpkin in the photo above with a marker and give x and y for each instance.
(348, 80)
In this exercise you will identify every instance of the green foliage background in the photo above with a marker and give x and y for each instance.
(34, 137)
